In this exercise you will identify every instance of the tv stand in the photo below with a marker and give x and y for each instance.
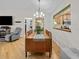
(4, 30)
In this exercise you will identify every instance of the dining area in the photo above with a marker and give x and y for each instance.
(39, 43)
(38, 39)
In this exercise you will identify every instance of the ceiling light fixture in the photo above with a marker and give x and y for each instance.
(39, 12)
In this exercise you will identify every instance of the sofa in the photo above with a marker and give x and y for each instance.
(13, 35)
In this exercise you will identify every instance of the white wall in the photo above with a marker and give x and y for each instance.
(66, 39)
(21, 25)
(75, 23)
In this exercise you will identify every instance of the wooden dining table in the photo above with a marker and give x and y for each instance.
(39, 42)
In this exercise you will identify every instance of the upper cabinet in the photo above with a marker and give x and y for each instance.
(62, 19)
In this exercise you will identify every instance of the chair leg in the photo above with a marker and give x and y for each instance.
(26, 54)
(50, 54)
(10, 39)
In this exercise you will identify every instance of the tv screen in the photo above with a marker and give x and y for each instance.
(5, 20)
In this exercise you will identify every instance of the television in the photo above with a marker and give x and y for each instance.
(6, 20)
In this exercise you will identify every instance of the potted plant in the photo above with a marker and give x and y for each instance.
(38, 29)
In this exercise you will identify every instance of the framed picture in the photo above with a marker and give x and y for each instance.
(62, 19)
(17, 21)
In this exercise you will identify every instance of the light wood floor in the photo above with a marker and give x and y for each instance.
(16, 50)
(42, 56)
(13, 50)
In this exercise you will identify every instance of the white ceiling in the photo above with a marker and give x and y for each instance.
(27, 7)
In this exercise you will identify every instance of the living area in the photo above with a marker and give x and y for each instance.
(6, 32)
(61, 19)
